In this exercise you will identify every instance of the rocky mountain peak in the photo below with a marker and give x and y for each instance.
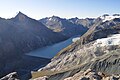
(105, 15)
(20, 16)
(116, 14)
(74, 19)
(54, 18)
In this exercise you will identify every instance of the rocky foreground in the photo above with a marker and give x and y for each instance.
(11, 76)
(92, 75)
(87, 75)
(99, 60)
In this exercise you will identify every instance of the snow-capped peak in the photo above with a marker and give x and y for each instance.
(54, 18)
(107, 17)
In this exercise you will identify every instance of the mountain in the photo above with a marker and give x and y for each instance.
(98, 50)
(20, 35)
(64, 26)
(95, 54)
(87, 22)
(101, 30)
(23, 34)
(107, 17)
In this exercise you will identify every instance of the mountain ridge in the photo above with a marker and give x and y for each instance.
(20, 35)
(63, 26)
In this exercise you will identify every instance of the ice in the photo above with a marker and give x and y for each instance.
(113, 40)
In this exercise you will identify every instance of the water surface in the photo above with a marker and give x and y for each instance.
(52, 50)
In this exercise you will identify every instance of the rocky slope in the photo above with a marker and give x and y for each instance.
(94, 56)
(11, 76)
(92, 51)
(92, 75)
(64, 26)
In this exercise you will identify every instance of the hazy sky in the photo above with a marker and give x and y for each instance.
(64, 8)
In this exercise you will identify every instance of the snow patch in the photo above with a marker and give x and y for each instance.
(108, 18)
(75, 39)
(50, 19)
(113, 40)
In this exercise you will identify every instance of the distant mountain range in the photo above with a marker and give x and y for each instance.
(74, 26)
(67, 27)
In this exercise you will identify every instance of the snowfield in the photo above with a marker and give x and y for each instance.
(108, 18)
(75, 39)
(113, 40)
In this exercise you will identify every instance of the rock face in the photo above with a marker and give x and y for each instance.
(20, 35)
(87, 22)
(11, 76)
(64, 26)
(92, 75)
(87, 75)
(101, 56)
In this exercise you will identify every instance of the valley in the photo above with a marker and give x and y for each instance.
(36, 49)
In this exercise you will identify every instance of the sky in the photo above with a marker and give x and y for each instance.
(38, 9)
